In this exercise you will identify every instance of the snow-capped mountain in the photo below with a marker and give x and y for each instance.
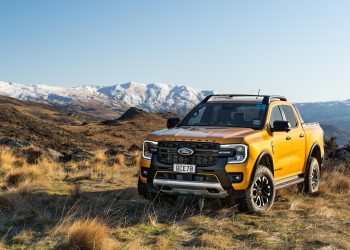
(110, 101)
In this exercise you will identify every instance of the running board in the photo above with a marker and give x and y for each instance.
(286, 183)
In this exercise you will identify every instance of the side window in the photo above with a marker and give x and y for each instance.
(275, 115)
(290, 116)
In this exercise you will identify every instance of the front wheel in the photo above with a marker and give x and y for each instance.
(260, 195)
(142, 189)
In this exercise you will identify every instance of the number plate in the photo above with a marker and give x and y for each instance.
(184, 168)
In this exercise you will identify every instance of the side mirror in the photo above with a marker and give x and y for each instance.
(172, 122)
(281, 126)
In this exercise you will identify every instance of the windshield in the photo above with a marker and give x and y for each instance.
(246, 115)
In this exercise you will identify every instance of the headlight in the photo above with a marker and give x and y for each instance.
(149, 147)
(240, 152)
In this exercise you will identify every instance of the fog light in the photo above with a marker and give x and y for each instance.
(144, 172)
(236, 177)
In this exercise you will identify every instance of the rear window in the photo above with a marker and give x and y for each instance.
(290, 116)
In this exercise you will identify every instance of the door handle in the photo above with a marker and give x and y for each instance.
(301, 135)
(288, 138)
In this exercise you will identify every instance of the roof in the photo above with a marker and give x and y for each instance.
(264, 99)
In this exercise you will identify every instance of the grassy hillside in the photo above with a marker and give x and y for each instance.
(94, 205)
(49, 127)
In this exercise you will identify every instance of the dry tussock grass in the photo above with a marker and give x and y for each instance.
(120, 160)
(26, 175)
(335, 182)
(216, 241)
(7, 160)
(137, 244)
(50, 168)
(135, 159)
(100, 156)
(83, 234)
(88, 234)
(105, 188)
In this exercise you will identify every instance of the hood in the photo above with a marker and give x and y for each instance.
(204, 134)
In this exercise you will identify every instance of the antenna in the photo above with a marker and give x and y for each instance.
(258, 94)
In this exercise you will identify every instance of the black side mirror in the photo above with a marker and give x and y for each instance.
(172, 122)
(281, 126)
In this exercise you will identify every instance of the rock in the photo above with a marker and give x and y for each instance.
(76, 156)
(14, 143)
(132, 113)
(53, 154)
(110, 122)
(135, 147)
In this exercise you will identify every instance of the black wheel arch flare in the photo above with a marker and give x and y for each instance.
(263, 155)
(318, 156)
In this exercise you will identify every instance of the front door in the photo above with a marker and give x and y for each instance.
(281, 147)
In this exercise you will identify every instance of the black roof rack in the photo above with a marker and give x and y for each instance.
(266, 98)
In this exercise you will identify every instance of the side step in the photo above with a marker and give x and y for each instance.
(288, 182)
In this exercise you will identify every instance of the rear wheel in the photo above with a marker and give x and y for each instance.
(260, 195)
(312, 177)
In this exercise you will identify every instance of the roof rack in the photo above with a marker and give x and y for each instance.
(266, 98)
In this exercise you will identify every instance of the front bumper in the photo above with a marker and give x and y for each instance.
(189, 184)
(199, 188)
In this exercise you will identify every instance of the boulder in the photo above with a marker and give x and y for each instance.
(53, 154)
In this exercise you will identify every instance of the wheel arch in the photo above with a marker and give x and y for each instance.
(265, 158)
(315, 151)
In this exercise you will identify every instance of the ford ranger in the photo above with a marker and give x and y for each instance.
(241, 148)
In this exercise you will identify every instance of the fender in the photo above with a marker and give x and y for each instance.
(309, 156)
(257, 162)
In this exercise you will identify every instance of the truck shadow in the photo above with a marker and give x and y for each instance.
(41, 211)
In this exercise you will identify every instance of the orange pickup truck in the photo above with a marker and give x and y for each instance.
(238, 147)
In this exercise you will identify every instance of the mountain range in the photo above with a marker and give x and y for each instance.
(109, 102)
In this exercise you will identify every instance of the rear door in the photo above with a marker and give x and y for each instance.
(297, 138)
(281, 147)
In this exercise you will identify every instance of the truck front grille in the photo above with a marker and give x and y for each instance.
(205, 153)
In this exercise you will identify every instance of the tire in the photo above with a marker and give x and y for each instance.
(142, 189)
(312, 177)
(260, 195)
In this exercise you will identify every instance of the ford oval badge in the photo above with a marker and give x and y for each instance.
(185, 151)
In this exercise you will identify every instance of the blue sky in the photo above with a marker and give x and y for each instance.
(297, 48)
